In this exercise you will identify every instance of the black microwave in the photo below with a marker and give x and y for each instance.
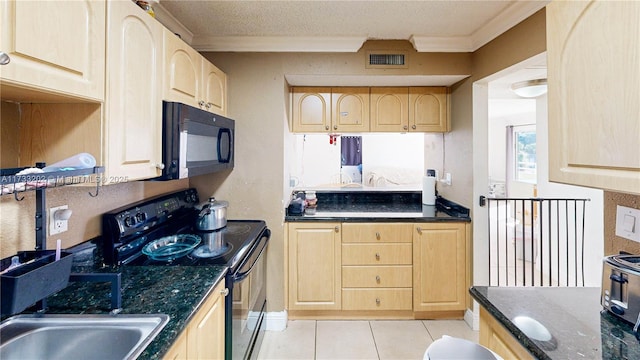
(194, 142)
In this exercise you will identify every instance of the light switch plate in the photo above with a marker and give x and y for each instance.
(628, 223)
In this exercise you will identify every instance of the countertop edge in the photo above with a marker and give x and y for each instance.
(504, 321)
(161, 349)
(311, 218)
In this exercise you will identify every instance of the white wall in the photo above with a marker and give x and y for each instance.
(397, 157)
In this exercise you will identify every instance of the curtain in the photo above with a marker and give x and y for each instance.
(351, 150)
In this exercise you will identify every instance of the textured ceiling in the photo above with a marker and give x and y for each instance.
(212, 23)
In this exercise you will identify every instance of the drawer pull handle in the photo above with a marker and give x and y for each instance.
(337, 229)
(378, 279)
(377, 301)
(377, 235)
(419, 230)
(377, 256)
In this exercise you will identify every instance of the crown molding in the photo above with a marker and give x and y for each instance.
(279, 43)
(171, 23)
(441, 44)
(508, 18)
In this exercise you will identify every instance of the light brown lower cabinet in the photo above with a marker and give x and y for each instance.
(439, 267)
(314, 253)
(367, 269)
(495, 337)
(196, 341)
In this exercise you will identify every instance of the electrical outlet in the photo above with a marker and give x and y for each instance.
(57, 226)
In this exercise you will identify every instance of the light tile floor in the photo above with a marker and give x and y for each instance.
(354, 339)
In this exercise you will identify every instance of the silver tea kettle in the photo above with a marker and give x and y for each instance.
(212, 216)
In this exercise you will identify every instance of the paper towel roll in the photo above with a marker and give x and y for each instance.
(78, 161)
(429, 190)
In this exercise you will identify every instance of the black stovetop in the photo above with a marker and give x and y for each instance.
(128, 229)
(238, 237)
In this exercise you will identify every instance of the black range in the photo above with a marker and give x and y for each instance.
(127, 230)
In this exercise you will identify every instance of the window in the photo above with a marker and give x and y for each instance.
(524, 142)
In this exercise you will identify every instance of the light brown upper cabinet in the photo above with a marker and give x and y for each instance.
(429, 109)
(594, 97)
(350, 109)
(375, 109)
(55, 47)
(390, 109)
(192, 79)
(133, 109)
(311, 109)
(322, 109)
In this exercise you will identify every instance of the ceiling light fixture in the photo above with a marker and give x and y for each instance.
(530, 88)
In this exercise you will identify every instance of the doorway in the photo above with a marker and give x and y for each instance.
(499, 117)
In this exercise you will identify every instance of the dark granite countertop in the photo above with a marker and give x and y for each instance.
(375, 206)
(177, 291)
(579, 327)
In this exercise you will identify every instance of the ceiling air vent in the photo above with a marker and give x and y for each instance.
(377, 59)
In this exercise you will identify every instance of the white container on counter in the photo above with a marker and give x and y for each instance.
(429, 189)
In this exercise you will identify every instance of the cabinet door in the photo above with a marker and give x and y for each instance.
(350, 109)
(429, 109)
(214, 91)
(133, 144)
(311, 109)
(205, 337)
(55, 46)
(439, 267)
(593, 51)
(178, 350)
(495, 337)
(314, 252)
(183, 75)
(389, 109)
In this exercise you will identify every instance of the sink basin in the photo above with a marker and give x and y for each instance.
(78, 336)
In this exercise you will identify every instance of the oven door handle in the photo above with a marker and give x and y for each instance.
(242, 275)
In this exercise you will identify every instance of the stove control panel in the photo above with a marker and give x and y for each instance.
(145, 214)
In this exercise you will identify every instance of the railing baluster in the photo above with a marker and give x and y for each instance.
(574, 241)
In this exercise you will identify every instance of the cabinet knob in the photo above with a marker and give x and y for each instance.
(208, 105)
(377, 235)
(201, 103)
(413, 127)
(419, 230)
(378, 279)
(377, 301)
(326, 127)
(337, 229)
(224, 292)
(335, 127)
(377, 256)
(405, 127)
(160, 166)
(4, 58)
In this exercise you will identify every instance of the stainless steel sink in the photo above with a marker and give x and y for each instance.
(78, 336)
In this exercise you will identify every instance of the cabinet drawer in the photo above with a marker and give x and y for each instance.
(377, 299)
(377, 276)
(376, 254)
(376, 233)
